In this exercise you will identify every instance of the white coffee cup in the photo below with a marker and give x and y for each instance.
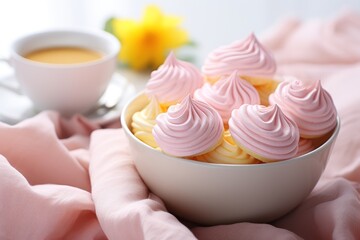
(66, 88)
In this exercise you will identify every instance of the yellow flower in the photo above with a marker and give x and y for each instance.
(146, 43)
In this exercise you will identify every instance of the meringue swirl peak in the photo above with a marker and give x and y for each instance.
(248, 56)
(311, 106)
(264, 132)
(228, 93)
(189, 128)
(173, 81)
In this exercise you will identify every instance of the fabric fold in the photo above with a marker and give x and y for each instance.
(47, 149)
(124, 206)
(330, 212)
(45, 211)
(316, 48)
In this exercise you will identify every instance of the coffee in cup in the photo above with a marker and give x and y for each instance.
(65, 70)
(63, 55)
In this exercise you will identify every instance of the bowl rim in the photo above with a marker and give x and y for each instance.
(224, 165)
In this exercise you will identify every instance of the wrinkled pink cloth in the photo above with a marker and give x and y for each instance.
(74, 179)
(317, 48)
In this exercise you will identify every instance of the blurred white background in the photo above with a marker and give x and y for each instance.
(209, 23)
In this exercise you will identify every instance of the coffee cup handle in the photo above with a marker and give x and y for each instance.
(4, 81)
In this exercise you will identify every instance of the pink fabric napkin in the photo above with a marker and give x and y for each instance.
(317, 48)
(73, 179)
(124, 206)
(44, 180)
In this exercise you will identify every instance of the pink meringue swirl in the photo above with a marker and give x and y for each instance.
(311, 107)
(173, 81)
(228, 93)
(264, 132)
(247, 56)
(188, 129)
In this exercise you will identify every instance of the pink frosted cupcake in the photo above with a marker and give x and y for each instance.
(228, 93)
(247, 56)
(266, 133)
(189, 128)
(173, 81)
(310, 106)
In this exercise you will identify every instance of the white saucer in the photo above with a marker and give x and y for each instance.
(15, 107)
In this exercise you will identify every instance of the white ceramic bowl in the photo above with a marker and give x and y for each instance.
(210, 194)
